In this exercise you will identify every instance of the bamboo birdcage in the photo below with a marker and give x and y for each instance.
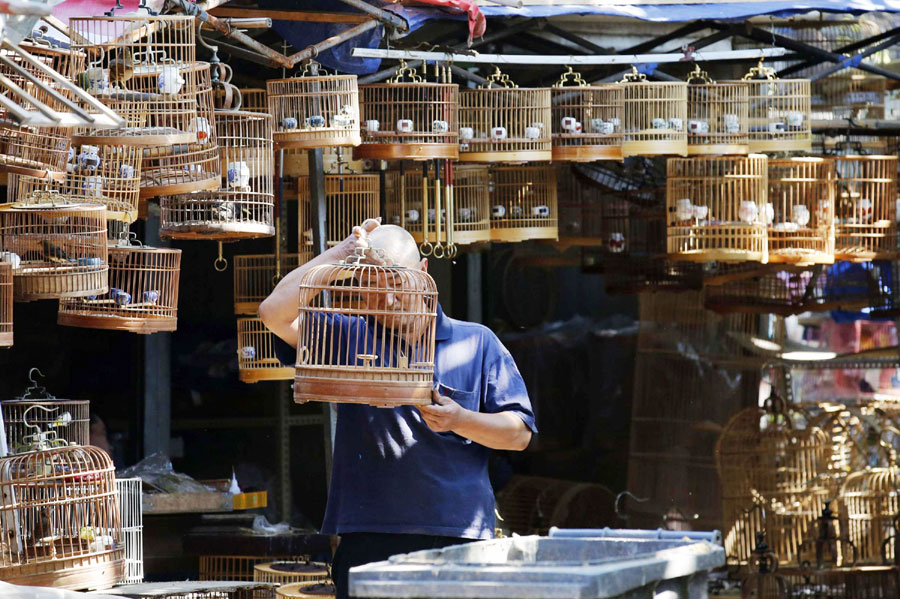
(234, 567)
(254, 99)
(865, 213)
(148, 39)
(143, 292)
(718, 113)
(350, 198)
(408, 118)
(849, 95)
(290, 572)
(35, 151)
(34, 81)
(60, 246)
(62, 525)
(505, 123)
(388, 313)
(715, 207)
(523, 203)
(305, 590)
(871, 502)
(130, 506)
(586, 120)
(244, 205)
(70, 419)
(6, 303)
(315, 111)
(800, 211)
(655, 116)
(256, 275)
(257, 360)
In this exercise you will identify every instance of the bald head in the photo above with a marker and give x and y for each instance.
(398, 245)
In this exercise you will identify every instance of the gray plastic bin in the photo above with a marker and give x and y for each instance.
(545, 568)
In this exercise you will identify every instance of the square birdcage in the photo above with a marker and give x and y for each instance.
(257, 360)
(715, 208)
(130, 509)
(655, 117)
(350, 198)
(70, 419)
(523, 203)
(254, 99)
(586, 120)
(142, 297)
(58, 246)
(501, 122)
(6, 303)
(255, 276)
(800, 210)
(243, 207)
(865, 213)
(718, 115)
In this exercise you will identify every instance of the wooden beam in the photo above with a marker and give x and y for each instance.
(290, 15)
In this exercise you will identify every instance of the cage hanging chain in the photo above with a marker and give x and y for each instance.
(220, 263)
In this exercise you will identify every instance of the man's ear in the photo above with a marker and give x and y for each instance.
(423, 265)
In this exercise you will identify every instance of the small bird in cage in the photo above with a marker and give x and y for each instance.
(54, 254)
(43, 527)
(864, 210)
(121, 66)
(223, 211)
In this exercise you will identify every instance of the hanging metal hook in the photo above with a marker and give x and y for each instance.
(617, 506)
(220, 264)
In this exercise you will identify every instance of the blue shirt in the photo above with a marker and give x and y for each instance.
(393, 474)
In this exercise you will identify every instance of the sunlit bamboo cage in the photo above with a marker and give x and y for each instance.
(243, 206)
(350, 198)
(715, 208)
(257, 360)
(154, 124)
(586, 120)
(305, 590)
(392, 361)
(718, 115)
(142, 296)
(6, 303)
(762, 580)
(849, 95)
(315, 110)
(65, 61)
(151, 41)
(69, 419)
(60, 246)
(130, 506)
(871, 503)
(800, 210)
(523, 203)
(234, 567)
(505, 123)
(865, 213)
(655, 116)
(409, 118)
(530, 505)
(35, 151)
(769, 466)
(61, 531)
(254, 99)
(255, 276)
(290, 572)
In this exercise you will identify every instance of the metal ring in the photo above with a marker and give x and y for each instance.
(441, 248)
(425, 248)
(221, 261)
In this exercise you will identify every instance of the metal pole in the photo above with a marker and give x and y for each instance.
(383, 16)
(855, 59)
(809, 62)
(157, 367)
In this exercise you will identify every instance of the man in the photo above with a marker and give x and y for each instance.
(406, 479)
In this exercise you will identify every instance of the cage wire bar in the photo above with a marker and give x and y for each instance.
(865, 208)
(6, 303)
(586, 120)
(523, 203)
(257, 360)
(130, 508)
(350, 198)
(255, 276)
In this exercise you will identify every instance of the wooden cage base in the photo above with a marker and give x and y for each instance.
(296, 140)
(29, 168)
(587, 153)
(49, 285)
(255, 375)
(514, 157)
(799, 257)
(208, 182)
(381, 394)
(145, 137)
(781, 145)
(406, 151)
(658, 147)
(92, 572)
(719, 255)
(144, 325)
(718, 149)
(6, 339)
(524, 234)
(864, 255)
(213, 231)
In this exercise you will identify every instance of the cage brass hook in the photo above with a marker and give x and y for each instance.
(576, 78)
(699, 74)
(220, 263)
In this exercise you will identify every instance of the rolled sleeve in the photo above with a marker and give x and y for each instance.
(505, 389)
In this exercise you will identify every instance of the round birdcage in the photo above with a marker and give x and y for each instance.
(388, 313)
(133, 44)
(715, 208)
(6, 303)
(257, 360)
(35, 151)
(655, 116)
(350, 198)
(61, 521)
(291, 572)
(304, 590)
(254, 99)
(717, 115)
(143, 292)
(800, 211)
(871, 504)
(408, 118)
(36, 81)
(586, 120)
(69, 419)
(58, 247)
(256, 275)
(523, 203)
(505, 123)
(243, 206)
(865, 211)
(233, 567)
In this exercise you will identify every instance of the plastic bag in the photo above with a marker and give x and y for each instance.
(156, 470)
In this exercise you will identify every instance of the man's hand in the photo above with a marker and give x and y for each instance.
(359, 237)
(443, 415)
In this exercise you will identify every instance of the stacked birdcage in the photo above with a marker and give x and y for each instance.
(6, 303)
(655, 117)
(350, 198)
(291, 572)
(314, 110)
(716, 208)
(865, 211)
(130, 505)
(501, 122)
(849, 95)
(243, 206)
(257, 360)
(586, 120)
(70, 419)
(387, 313)
(142, 296)
(800, 211)
(523, 203)
(718, 114)
(256, 275)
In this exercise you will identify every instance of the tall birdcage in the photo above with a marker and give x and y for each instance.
(718, 115)
(257, 360)
(586, 120)
(350, 198)
(715, 208)
(799, 213)
(254, 99)
(305, 590)
(871, 505)
(865, 213)
(60, 246)
(6, 303)
(387, 313)
(315, 110)
(409, 118)
(243, 206)
(142, 296)
(523, 203)
(501, 122)
(70, 419)
(35, 151)
(255, 276)
(655, 116)
(130, 504)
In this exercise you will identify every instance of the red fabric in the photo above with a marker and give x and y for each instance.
(477, 22)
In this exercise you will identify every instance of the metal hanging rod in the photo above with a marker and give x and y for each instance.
(548, 59)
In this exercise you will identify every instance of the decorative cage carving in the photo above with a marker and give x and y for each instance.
(254, 100)
(244, 205)
(373, 341)
(523, 203)
(718, 113)
(655, 116)
(58, 247)
(349, 200)
(70, 419)
(871, 504)
(256, 275)
(800, 211)
(304, 590)
(61, 522)
(586, 120)
(290, 572)
(505, 123)
(256, 353)
(715, 208)
(865, 212)
(142, 297)
(130, 505)
(6, 303)
(315, 111)
(408, 118)
(35, 151)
